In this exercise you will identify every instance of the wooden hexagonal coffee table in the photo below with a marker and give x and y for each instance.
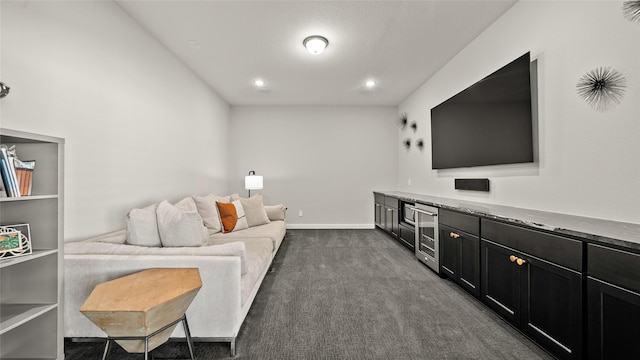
(141, 310)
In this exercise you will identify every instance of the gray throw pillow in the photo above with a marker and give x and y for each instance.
(254, 210)
(142, 227)
(276, 212)
(187, 204)
(180, 228)
(209, 211)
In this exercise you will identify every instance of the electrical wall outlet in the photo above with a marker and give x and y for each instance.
(409, 182)
(300, 213)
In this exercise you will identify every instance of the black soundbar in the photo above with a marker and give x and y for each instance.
(472, 184)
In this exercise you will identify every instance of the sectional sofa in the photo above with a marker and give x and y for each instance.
(232, 264)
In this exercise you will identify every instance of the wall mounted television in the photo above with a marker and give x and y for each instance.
(489, 123)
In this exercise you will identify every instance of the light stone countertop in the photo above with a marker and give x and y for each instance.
(606, 232)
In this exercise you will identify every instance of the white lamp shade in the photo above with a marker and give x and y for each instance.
(253, 182)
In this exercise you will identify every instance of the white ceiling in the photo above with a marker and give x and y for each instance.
(399, 44)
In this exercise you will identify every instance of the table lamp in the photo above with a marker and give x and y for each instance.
(252, 182)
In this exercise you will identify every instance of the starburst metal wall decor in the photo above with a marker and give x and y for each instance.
(406, 143)
(420, 144)
(631, 10)
(414, 126)
(403, 121)
(4, 90)
(602, 88)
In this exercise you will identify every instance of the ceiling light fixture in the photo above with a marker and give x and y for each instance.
(315, 44)
(370, 83)
(259, 83)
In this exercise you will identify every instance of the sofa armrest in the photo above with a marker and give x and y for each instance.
(215, 311)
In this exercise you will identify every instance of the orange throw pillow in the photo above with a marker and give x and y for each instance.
(228, 216)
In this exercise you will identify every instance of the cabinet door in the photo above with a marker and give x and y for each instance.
(501, 280)
(395, 222)
(449, 252)
(614, 315)
(388, 218)
(552, 307)
(379, 214)
(391, 221)
(469, 268)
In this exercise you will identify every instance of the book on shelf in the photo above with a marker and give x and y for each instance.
(24, 174)
(6, 183)
(17, 175)
(8, 172)
(3, 188)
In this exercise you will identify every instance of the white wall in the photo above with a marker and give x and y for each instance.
(325, 160)
(589, 162)
(139, 126)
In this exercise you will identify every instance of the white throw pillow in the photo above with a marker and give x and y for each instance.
(142, 227)
(242, 217)
(209, 211)
(254, 209)
(180, 228)
(187, 204)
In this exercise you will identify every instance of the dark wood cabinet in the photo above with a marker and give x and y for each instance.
(579, 298)
(541, 297)
(613, 288)
(460, 249)
(386, 214)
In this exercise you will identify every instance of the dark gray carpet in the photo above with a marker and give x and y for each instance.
(354, 294)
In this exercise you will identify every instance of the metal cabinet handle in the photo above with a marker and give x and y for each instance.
(517, 260)
(423, 211)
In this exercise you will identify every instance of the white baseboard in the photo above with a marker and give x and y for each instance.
(331, 226)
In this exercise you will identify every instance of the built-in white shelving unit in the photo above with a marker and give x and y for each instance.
(31, 285)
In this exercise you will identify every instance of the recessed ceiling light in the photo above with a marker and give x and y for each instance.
(315, 44)
(259, 83)
(370, 83)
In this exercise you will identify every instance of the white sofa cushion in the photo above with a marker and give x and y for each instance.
(178, 227)
(142, 227)
(259, 255)
(275, 230)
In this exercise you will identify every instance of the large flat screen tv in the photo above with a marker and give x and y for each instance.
(489, 123)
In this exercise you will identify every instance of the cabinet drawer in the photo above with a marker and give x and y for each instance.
(617, 267)
(464, 222)
(408, 235)
(557, 249)
(391, 202)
